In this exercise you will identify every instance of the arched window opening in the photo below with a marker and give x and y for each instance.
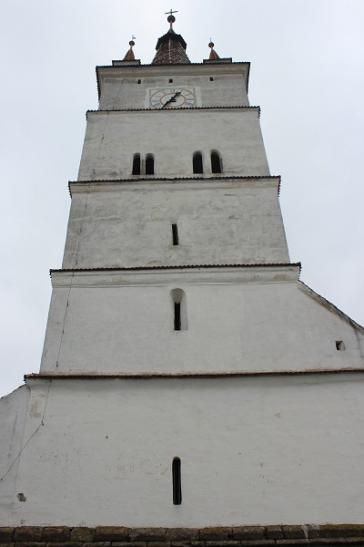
(149, 164)
(216, 166)
(136, 164)
(340, 346)
(197, 163)
(179, 310)
(176, 481)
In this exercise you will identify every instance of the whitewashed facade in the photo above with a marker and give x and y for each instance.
(258, 387)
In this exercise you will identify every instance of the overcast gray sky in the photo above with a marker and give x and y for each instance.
(307, 75)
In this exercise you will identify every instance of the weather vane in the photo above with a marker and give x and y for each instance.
(171, 18)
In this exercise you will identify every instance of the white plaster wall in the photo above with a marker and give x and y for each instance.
(13, 414)
(112, 138)
(122, 322)
(253, 451)
(219, 222)
(224, 90)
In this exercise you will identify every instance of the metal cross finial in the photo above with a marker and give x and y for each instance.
(170, 12)
(171, 18)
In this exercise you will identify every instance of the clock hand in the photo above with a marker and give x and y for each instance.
(172, 99)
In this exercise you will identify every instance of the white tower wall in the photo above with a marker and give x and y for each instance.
(251, 378)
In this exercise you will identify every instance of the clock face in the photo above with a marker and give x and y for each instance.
(172, 97)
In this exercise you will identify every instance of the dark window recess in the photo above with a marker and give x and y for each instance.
(197, 163)
(139, 81)
(177, 316)
(175, 234)
(136, 164)
(211, 79)
(149, 165)
(340, 346)
(215, 162)
(170, 80)
(176, 480)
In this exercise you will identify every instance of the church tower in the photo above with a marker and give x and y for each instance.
(189, 379)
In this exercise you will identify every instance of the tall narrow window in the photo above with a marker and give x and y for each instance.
(176, 481)
(136, 164)
(216, 166)
(149, 164)
(179, 310)
(175, 234)
(177, 316)
(197, 162)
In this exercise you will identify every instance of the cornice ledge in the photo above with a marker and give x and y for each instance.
(280, 265)
(173, 179)
(181, 375)
(189, 109)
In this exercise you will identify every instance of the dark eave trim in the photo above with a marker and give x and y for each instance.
(189, 109)
(181, 375)
(178, 267)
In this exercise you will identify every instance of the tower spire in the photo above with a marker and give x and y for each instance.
(171, 47)
(213, 55)
(129, 55)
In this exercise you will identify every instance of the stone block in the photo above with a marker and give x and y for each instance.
(248, 532)
(274, 532)
(341, 530)
(222, 543)
(112, 533)
(257, 542)
(215, 533)
(82, 534)
(28, 533)
(293, 531)
(148, 534)
(182, 534)
(6, 534)
(56, 533)
(63, 544)
(128, 544)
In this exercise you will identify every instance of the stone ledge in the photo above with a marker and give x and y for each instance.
(332, 535)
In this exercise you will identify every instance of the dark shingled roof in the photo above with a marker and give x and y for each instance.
(170, 50)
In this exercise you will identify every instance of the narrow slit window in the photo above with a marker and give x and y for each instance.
(216, 162)
(177, 316)
(175, 239)
(170, 80)
(179, 310)
(340, 346)
(176, 481)
(136, 164)
(149, 164)
(197, 163)
(211, 79)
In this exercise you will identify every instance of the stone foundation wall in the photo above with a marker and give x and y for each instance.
(117, 536)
